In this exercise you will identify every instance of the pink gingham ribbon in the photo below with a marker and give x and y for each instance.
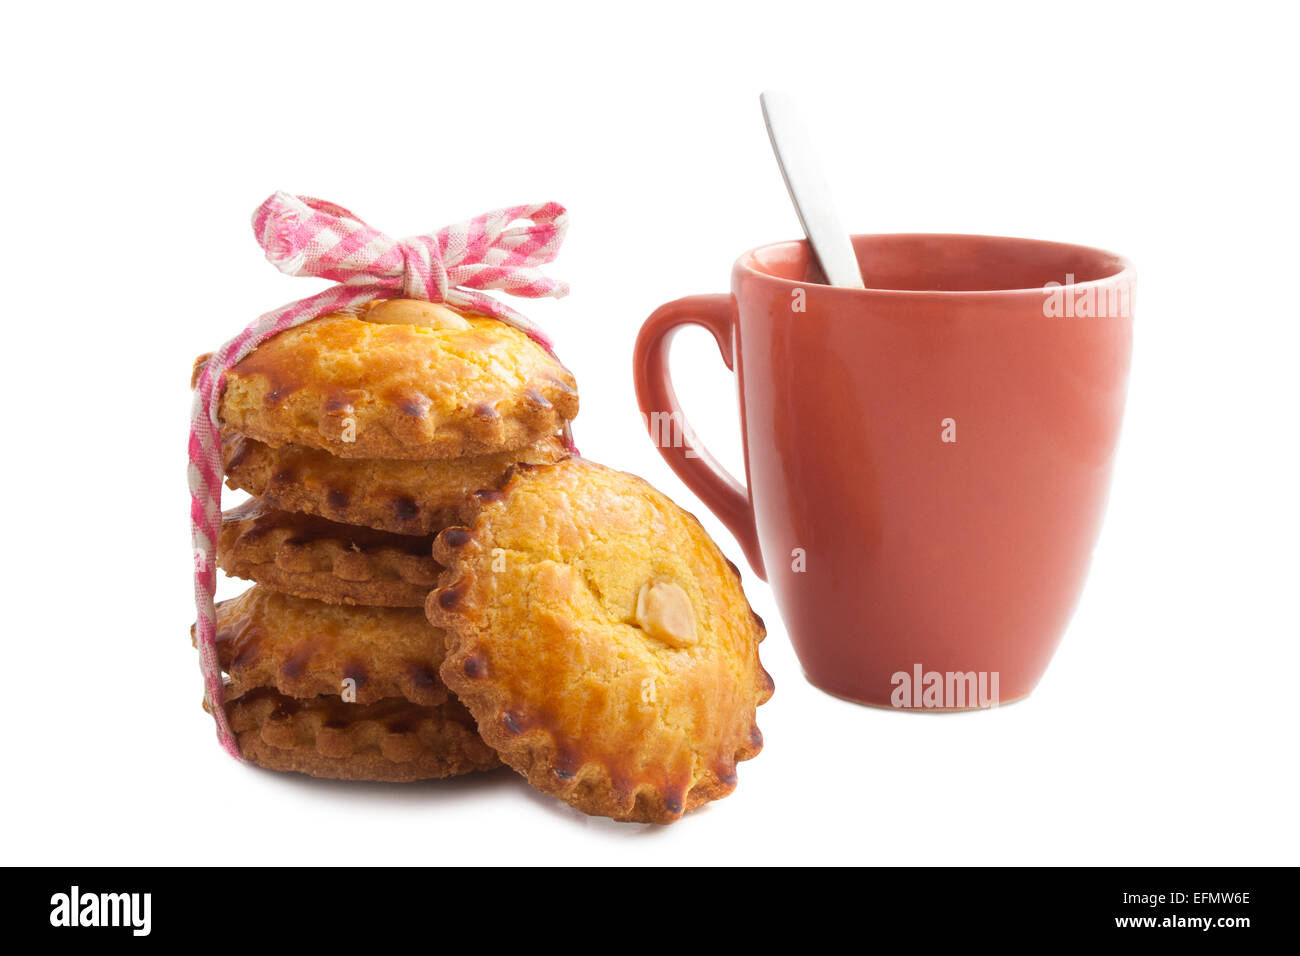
(307, 237)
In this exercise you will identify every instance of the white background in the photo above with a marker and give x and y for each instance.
(140, 138)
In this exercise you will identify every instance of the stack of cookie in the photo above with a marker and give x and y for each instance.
(360, 437)
(440, 588)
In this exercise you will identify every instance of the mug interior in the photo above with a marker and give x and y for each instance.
(916, 262)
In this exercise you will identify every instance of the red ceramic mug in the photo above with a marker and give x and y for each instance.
(928, 460)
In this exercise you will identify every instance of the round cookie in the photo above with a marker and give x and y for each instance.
(302, 648)
(404, 497)
(602, 642)
(312, 557)
(380, 389)
(390, 740)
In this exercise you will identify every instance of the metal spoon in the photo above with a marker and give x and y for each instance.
(808, 191)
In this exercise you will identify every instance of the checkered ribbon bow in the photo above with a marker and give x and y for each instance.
(309, 237)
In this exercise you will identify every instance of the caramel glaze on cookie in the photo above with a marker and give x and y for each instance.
(391, 740)
(602, 642)
(312, 557)
(302, 648)
(404, 497)
(384, 389)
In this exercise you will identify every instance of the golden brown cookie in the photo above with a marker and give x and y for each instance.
(602, 642)
(312, 557)
(304, 648)
(390, 740)
(405, 497)
(376, 389)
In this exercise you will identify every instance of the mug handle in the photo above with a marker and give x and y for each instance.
(700, 471)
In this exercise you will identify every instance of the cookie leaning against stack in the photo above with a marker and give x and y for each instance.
(360, 437)
(602, 642)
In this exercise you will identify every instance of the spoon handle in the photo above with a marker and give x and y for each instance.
(808, 191)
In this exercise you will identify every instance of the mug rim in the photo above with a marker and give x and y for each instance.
(746, 263)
